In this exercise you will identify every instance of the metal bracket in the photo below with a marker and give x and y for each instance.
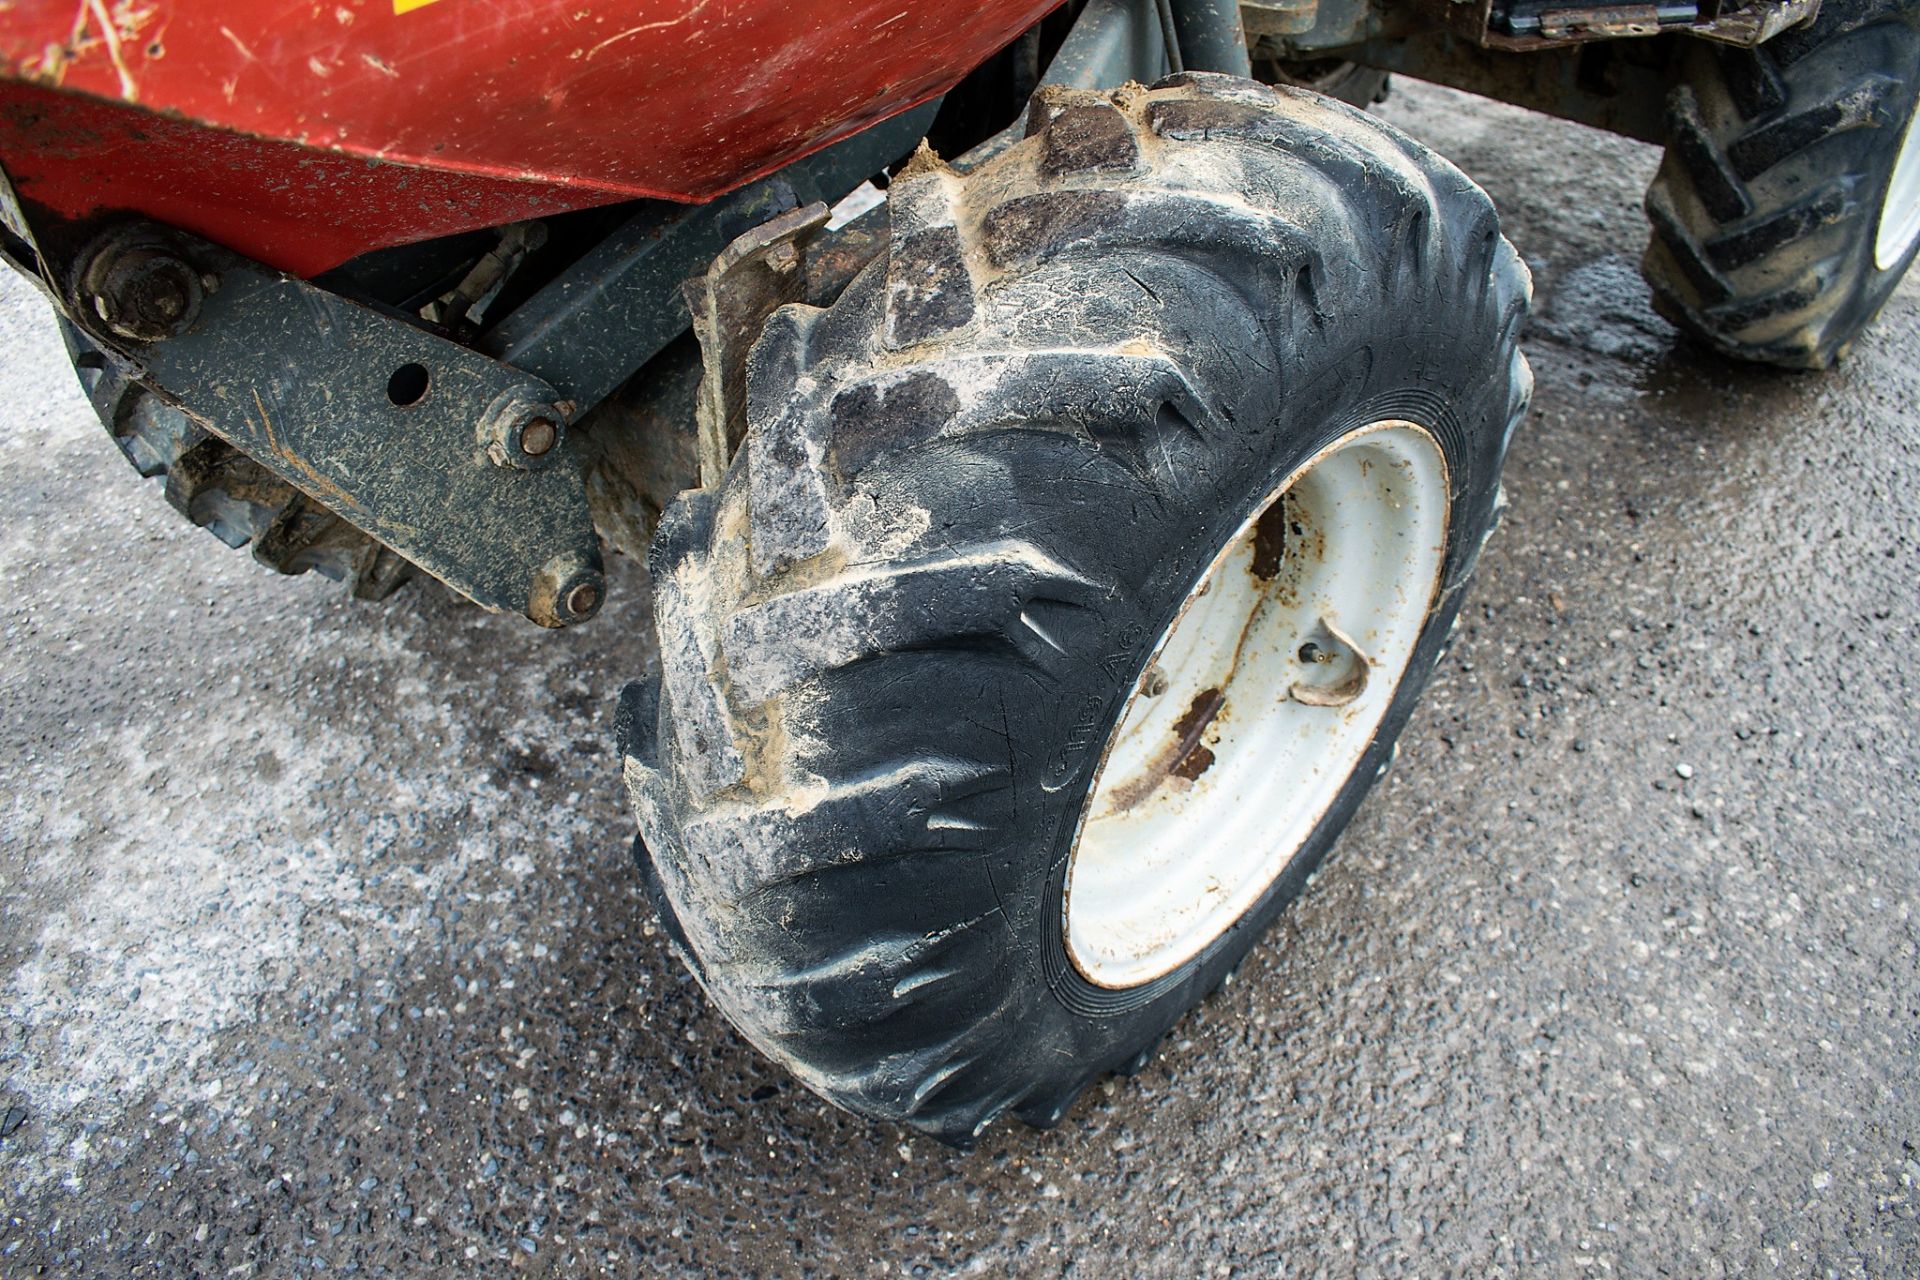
(1627, 97)
(401, 432)
(591, 328)
(1278, 17)
(753, 277)
(1524, 26)
(467, 462)
(1756, 23)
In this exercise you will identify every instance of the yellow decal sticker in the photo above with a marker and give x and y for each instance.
(408, 6)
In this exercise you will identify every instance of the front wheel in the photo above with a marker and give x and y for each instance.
(1079, 570)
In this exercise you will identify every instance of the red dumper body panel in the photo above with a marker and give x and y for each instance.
(304, 132)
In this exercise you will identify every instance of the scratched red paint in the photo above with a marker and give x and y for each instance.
(478, 111)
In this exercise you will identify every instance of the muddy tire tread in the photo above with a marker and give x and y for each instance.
(226, 492)
(1764, 209)
(887, 1005)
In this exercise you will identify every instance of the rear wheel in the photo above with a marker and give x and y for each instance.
(1080, 567)
(1787, 207)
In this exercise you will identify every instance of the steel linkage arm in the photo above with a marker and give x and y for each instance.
(463, 459)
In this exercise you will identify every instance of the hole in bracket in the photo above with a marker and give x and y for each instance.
(408, 385)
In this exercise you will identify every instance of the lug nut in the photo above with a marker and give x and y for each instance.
(538, 436)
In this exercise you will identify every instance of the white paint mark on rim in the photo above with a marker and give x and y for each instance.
(1261, 698)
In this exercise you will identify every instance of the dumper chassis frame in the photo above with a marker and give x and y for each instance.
(510, 431)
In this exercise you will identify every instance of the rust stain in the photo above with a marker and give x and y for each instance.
(1184, 756)
(1194, 763)
(1190, 757)
(1270, 540)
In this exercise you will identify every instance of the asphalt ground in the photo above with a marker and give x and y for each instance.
(321, 951)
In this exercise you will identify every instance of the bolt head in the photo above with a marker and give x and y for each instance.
(140, 287)
(538, 437)
(568, 589)
(583, 599)
(522, 430)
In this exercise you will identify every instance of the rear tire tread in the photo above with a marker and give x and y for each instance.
(1771, 181)
(226, 492)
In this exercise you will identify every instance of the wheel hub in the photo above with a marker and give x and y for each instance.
(1259, 700)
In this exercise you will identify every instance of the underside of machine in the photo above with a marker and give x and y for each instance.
(303, 277)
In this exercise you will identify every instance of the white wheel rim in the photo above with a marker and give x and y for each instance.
(1900, 210)
(1163, 863)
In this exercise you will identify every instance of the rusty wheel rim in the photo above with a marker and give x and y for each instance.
(1259, 701)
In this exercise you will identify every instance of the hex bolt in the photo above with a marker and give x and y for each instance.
(538, 436)
(135, 280)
